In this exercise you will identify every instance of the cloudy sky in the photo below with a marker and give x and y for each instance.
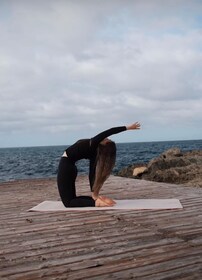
(70, 69)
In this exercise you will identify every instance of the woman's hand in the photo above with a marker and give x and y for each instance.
(103, 201)
(135, 125)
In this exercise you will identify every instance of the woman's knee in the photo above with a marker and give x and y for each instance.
(66, 203)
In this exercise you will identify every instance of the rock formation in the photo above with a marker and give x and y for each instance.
(172, 166)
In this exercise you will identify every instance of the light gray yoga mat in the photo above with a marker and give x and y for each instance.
(127, 204)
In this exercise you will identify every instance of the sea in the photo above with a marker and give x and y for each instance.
(42, 162)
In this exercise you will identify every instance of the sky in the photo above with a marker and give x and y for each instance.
(71, 69)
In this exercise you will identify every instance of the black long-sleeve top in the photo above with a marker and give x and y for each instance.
(86, 148)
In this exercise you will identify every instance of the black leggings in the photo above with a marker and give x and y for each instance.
(67, 172)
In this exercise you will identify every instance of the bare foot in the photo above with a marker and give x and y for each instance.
(100, 203)
(108, 200)
(104, 201)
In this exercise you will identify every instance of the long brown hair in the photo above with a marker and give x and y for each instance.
(105, 161)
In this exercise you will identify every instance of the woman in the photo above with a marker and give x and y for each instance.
(101, 152)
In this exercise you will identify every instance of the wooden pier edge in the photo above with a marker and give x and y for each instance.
(121, 244)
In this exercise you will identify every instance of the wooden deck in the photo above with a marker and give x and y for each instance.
(149, 245)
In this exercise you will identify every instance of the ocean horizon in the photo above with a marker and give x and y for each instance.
(42, 161)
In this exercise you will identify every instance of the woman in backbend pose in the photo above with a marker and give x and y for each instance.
(101, 152)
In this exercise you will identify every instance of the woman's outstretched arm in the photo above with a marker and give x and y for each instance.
(114, 130)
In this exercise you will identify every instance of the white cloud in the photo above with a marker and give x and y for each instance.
(71, 65)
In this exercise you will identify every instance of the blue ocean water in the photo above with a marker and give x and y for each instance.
(42, 162)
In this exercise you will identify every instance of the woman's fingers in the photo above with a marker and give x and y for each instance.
(135, 125)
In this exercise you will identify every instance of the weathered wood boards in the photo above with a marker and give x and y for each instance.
(149, 244)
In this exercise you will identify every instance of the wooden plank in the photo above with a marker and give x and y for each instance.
(109, 244)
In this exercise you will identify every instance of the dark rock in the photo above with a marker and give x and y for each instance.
(173, 152)
(172, 166)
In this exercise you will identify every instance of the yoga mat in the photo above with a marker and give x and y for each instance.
(129, 204)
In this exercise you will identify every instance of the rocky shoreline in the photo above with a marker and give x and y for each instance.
(172, 166)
